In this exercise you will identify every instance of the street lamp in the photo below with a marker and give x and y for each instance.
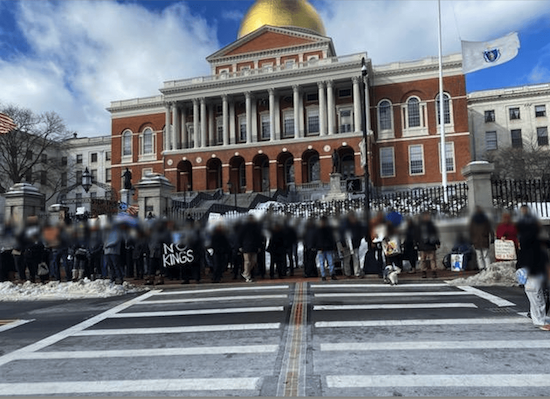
(87, 180)
(365, 126)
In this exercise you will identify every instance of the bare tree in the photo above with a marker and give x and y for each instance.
(529, 162)
(33, 150)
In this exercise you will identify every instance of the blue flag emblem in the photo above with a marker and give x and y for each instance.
(491, 55)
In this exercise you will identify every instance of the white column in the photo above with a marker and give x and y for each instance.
(322, 109)
(212, 139)
(254, 120)
(176, 129)
(296, 106)
(331, 109)
(301, 126)
(271, 114)
(232, 131)
(196, 124)
(277, 118)
(182, 138)
(248, 96)
(225, 118)
(356, 104)
(203, 123)
(167, 127)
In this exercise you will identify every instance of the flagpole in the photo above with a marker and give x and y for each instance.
(442, 151)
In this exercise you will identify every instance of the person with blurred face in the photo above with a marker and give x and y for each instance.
(250, 241)
(222, 250)
(507, 230)
(354, 232)
(480, 236)
(427, 242)
(326, 244)
(277, 250)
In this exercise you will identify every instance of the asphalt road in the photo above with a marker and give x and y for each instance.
(339, 338)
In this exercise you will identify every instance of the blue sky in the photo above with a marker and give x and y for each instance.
(74, 57)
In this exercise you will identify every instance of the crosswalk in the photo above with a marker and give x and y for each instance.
(213, 341)
(424, 340)
(298, 339)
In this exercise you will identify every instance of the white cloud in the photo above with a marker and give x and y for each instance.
(406, 30)
(85, 54)
(233, 15)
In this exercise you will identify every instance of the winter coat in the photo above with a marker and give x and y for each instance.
(529, 254)
(290, 236)
(310, 238)
(356, 232)
(250, 238)
(480, 231)
(325, 239)
(427, 236)
(220, 244)
(276, 243)
(509, 231)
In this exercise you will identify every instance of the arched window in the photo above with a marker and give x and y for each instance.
(413, 111)
(242, 175)
(127, 143)
(289, 170)
(384, 115)
(148, 141)
(446, 108)
(314, 168)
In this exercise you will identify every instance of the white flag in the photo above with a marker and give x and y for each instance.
(480, 55)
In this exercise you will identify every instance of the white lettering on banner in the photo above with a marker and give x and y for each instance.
(176, 255)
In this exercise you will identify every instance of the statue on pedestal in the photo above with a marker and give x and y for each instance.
(127, 179)
(335, 162)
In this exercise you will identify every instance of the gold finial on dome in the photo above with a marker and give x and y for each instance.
(291, 13)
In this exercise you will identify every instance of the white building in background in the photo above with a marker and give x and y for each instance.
(512, 117)
(93, 153)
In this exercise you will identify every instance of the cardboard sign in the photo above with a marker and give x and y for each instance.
(505, 250)
(176, 255)
(457, 262)
(391, 246)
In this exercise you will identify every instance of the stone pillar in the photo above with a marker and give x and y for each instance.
(225, 118)
(331, 108)
(296, 105)
(176, 130)
(356, 105)
(196, 124)
(212, 139)
(322, 109)
(168, 127)
(22, 201)
(182, 140)
(254, 120)
(277, 118)
(154, 195)
(478, 177)
(232, 131)
(335, 192)
(271, 114)
(203, 123)
(248, 96)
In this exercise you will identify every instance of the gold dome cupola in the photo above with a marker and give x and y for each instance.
(282, 13)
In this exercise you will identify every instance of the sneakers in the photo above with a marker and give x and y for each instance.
(412, 271)
(546, 327)
(323, 279)
(434, 274)
(424, 275)
(333, 277)
(247, 279)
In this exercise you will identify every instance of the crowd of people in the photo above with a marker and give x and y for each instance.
(123, 248)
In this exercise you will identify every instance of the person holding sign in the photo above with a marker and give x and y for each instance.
(507, 239)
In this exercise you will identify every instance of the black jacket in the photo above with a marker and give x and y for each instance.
(427, 236)
(250, 237)
(325, 239)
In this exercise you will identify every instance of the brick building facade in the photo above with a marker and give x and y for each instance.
(278, 103)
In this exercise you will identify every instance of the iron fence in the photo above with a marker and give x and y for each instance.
(509, 195)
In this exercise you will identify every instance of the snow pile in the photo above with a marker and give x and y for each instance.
(56, 290)
(500, 273)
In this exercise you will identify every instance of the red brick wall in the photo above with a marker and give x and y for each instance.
(269, 40)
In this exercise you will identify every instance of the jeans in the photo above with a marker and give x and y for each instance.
(114, 266)
(55, 263)
(535, 294)
(483, 258)
(323, 256)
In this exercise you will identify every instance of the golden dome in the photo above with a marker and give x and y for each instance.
(296, 13)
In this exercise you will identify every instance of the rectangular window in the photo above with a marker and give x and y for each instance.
(78, 158)
(289, 64)
(345, 121)
(242, 129)
(491, 142)
(93, 157)
(64, 179)
(490, 116)
(288, 124)
(540, 111)
(416, 160)
(387, 165)
(63, 161)
(93, 172)
(312, 121)
(78, 176)
(93, 194)
(266, 127)
(190, 133)
(108, 175)
(78, 198)
(29, 154)
(44, 158)
(43, 177)
(517, 141)
(542, 136)
(450, 157)
(219, 130)
(343, 93)
(107, 155)
(514, 113)
(312, 97)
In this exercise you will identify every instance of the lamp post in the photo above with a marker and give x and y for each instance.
(365, 128)
(87, 180)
